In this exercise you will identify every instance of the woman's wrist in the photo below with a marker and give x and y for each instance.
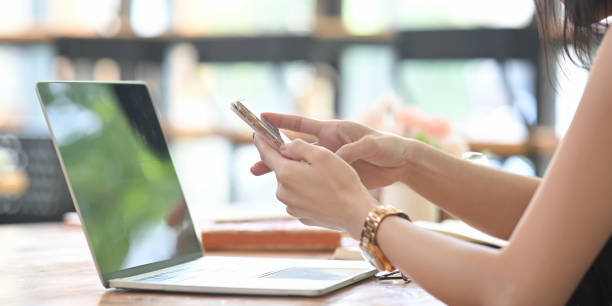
(414, 155)
(357, 215)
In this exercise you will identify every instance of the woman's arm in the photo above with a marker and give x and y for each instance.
(566, 225)
(488, 199)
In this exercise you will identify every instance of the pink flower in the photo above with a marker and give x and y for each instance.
(409, 117)
(437, 127)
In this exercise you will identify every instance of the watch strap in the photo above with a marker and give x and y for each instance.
(368, 243)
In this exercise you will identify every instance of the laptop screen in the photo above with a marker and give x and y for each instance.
(119, 168)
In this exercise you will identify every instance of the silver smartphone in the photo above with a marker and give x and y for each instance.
(259, 125)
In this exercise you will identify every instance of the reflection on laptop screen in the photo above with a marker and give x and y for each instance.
(119, 168)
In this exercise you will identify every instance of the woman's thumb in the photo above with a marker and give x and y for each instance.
(361, 149)
(301, 150)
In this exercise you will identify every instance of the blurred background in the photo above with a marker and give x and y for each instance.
(475, 65)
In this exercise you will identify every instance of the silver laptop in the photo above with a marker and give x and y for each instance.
(125, 189)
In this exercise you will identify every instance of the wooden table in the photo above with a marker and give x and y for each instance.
(49, 264)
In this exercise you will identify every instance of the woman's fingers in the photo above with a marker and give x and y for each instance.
(301, 215)
(293, 122)
(259, 168)
(301, 150)
(268, 154)
(361, 149)
(307, 221)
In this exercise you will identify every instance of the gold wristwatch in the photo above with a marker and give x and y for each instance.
(369, 247)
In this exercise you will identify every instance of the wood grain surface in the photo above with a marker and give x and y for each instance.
(49, 264)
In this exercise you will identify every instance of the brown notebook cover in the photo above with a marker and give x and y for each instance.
(268, 235)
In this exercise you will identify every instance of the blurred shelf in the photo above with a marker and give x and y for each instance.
(438, 44)
(542, 142)
(238, 137)
(276, 48)
(426, 44)
(500, 149)
(27, 37)
(472, 43)
(42, 36)
(235, 136)
(131, 49)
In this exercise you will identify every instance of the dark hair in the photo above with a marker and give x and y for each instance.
(578, 23)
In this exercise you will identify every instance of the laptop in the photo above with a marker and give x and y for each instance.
(122, 181)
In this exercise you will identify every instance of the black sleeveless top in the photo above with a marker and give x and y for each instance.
(595, 288)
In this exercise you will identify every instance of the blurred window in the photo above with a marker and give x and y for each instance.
(150, 17)
(16, 17)
(363, 17)
(211, 17)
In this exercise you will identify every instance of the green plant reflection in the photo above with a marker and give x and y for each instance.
(121, 173)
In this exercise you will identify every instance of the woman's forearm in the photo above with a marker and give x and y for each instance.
(456, 272)
(488, 199)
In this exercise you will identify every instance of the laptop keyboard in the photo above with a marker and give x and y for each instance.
(192, 271)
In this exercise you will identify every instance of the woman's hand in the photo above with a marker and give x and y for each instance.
(336, 134)
(331, 134)
(380, 159)
(317, 186)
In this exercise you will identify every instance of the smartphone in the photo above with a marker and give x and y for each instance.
(261, 126)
